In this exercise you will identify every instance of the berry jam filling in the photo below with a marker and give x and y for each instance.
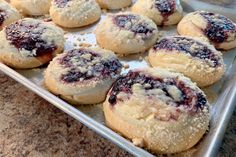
(166, 7)
(190, 99)
(189, 46)
(2, 16)
(28, 37)
(85, 65)
(131, 22)
(218, 27)
(61, 3)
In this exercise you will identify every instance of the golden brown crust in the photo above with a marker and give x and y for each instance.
(114, 4)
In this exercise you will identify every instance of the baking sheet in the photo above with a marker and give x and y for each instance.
(220, 95)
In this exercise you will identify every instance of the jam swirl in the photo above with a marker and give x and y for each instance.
(190, 99)
(189, 46)
(218, 27)
(27, 36)
(61, 3)
(2, 16)
(90, 67)
(133, 23)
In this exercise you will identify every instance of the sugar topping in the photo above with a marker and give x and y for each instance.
(190, 46)
(86, 64)
(61, 3)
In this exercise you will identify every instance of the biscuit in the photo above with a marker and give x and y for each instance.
(126, 33)
(114, 4)
(32, 7)
(83, 76)
(160, 110)
(162, 12)
(75, 13)
(30, 43)
(8, 14)
(196, 59)
(218, 29)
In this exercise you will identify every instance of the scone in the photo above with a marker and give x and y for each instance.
(32, 7)
(83, 76)
(162, 12)
(114, 4)
(126, 33)
(159, 110)
(8, 14)
(196, 59)
(30, 43)
(218, 29)
(75, 13)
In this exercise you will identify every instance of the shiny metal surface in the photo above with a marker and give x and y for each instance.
(221, 95)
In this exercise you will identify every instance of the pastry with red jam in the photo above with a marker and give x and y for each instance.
(159, 110)
(162, 12)
(195, 58)
(74, 13)
(218, 29)
(126, 33)
(8, 14)
(83, 76)
(30, 43)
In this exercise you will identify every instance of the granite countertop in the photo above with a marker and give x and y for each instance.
(30, 126)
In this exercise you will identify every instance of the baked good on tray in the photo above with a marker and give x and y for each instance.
(74, 13)
(8, 14)
(160, 110)
(218, 29)
(29, 43)
(114, 4)
(83, 76)
(126, 33)
(196, 59)
(32, 7)
(162, 12)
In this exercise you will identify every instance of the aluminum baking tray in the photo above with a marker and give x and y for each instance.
(221, 96)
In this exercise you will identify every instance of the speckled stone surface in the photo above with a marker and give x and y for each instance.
(30, 126)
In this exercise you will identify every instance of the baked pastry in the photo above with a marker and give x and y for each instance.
(196, 59)
(8, 14)
(160, 110)
(162, 12)
(114, 4)
(32, 7)
(126, 33)
(83, 76)
(75, 13)
(218, 29)
(30, 43)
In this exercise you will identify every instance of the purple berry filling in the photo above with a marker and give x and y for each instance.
(102, 69)
(218, 27)
(2, 17)
(186, 45)
(61, 3)
(25, 37)
(125, 83)
(166, 8)
(130, 22)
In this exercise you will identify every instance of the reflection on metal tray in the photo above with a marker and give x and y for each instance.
(221, 96)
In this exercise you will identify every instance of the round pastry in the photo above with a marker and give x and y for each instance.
(159, 110)
(32, 7)
(8, 14)
(30, 43)
(74, 13)
(83, 76)
(126, 33)
(162, 12)
(218, 29)
(114, 4)
(196, 59)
